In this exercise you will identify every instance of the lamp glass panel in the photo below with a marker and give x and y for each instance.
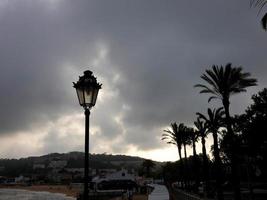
(80, 95)
(95, 96)
(88, 96)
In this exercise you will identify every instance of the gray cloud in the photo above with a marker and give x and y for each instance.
(148, 54)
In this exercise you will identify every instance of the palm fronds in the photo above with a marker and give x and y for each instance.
(225, 81)
(260, 4)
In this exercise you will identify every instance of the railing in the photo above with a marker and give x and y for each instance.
(181, 195)
(104, 195)
(245, 195)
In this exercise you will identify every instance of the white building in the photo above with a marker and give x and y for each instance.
(118, 175)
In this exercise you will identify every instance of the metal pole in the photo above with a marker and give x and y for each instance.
(86, 155)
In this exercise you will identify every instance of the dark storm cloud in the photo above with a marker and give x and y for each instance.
(158, 50)
(35, 42)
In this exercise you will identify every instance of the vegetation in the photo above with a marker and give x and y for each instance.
(202, 131)
(214, 121)
(174, 137)
(148, 165)
(239, 142)
(223, 82)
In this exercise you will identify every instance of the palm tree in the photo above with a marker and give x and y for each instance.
(194, 136)
(185, 139)
(174, 136)
(202, 131)
(222, 83)
(261, 4)
(214, 123)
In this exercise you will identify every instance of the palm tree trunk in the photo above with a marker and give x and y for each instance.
(185, 154)
(194, 149)
(180, 153)
(195, 167)
(233, 156)
(205, 164)
(181, 175)
(185, 167)
(204, 152)
(226, 105)
(217, 167)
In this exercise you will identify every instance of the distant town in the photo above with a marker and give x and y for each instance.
(68, 168)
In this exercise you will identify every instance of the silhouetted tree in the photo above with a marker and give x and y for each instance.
(185, 141)
(174, 136)
(222, 83)
(256, 116)
(148, 165)
(202, 131)
(214, 123)
(194, 137)
(254, 126)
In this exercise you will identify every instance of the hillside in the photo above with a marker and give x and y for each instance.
(15, 167)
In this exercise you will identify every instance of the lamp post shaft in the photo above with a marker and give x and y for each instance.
(86, 155)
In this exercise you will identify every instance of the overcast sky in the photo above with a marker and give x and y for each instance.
(148, 54)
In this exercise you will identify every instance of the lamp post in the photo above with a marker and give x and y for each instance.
(87, 89)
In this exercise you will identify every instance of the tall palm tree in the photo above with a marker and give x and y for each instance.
(214, 123)
(194, 137)
(174, 136)
(261, 4)
(185, 139)
(222, 83)
(202, 131)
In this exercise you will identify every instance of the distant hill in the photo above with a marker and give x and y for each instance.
(15, 167)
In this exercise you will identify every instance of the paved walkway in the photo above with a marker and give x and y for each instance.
(159, 193)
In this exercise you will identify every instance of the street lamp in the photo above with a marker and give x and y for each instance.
(87, 89)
